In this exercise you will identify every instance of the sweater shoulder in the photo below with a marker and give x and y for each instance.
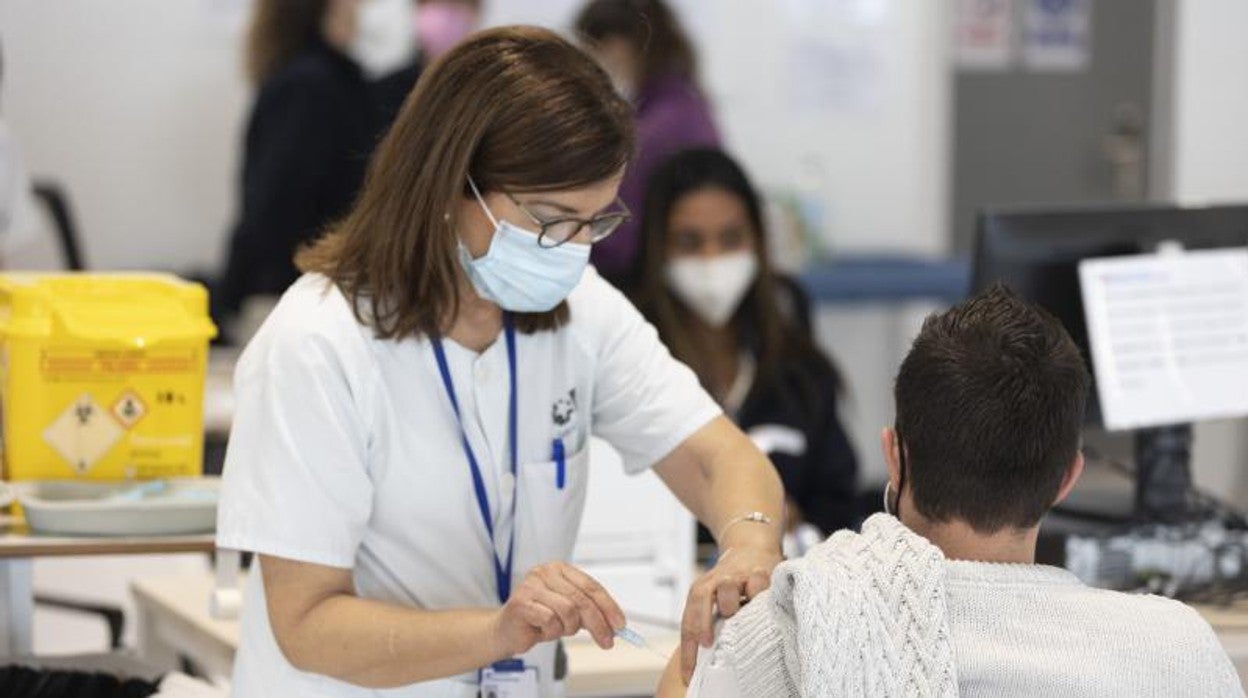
(751, 644)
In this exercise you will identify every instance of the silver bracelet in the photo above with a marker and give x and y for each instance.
(752, 517)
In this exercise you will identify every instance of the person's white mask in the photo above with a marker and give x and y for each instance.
(384, 39)
(713, 287)
(623, 87)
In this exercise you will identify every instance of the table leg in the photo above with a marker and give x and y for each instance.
(153, 648)
(17, 607)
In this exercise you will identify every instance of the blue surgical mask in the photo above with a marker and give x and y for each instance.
(517, 273)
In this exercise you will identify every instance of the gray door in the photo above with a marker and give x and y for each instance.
(1024, 137)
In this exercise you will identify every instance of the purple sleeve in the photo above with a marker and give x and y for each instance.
(665, 127)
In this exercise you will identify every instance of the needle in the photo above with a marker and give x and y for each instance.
(635, 639)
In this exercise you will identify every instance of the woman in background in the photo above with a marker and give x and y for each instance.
(441, 24)
(330, 76)
(709, 288)
(652, 63)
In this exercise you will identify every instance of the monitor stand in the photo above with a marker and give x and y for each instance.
(1163, 480)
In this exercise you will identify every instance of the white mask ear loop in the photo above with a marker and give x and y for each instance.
(477, 193)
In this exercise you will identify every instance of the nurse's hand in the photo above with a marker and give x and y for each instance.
(556, 600)
(740, 575)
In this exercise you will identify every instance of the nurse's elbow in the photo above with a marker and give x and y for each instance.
(300, 600)
(294, 648)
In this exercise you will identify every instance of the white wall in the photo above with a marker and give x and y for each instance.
(136, 106)
(848, 98)
(1209, 163)
(1211, 101)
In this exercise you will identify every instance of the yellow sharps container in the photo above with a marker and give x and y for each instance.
(102, 375)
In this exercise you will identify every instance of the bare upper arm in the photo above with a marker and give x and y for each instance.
(684, 470)
(292, 589)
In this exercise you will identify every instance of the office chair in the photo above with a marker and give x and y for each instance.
(55, 199)
(53, 196)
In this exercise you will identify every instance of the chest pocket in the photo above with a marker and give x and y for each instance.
(550, 516)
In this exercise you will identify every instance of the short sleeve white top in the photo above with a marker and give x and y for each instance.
(345, 452)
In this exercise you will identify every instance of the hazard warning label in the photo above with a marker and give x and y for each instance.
(129, 409)
(83, 433)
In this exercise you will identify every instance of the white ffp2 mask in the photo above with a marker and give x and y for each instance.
(713, 288)
(384, 39)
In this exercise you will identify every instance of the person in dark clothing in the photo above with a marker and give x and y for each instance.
(709, 289)
(331, 76)
(643, 48)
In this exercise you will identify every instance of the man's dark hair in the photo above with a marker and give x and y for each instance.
(990, 404)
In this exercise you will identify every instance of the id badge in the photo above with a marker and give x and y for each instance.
(510, 679)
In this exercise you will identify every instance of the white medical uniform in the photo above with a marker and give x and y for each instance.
(345, 452)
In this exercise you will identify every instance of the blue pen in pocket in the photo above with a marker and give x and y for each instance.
(561, 463)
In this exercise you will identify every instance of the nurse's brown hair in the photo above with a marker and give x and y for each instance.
(518, 108)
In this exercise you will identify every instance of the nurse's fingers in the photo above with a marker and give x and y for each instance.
(543, 618)
(757, 584)
(592, 617)
(600, 596)
(728, 596)
(569, 615)
(695, 626)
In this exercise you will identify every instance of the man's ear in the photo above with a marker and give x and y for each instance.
(1070, 478)
(892, 455)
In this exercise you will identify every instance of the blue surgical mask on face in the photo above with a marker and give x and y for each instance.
(517, 273)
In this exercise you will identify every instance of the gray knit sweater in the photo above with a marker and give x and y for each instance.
(883, 614)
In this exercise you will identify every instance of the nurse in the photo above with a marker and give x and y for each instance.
(410, 449)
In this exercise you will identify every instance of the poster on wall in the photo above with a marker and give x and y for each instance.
(984, 35)
(1057, 35)
(837, 54)
(846, 77)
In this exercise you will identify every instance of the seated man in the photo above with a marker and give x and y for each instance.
(946, 599)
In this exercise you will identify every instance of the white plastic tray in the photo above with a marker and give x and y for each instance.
(180, 506)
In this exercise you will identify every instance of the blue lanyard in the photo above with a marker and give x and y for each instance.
(502, 570)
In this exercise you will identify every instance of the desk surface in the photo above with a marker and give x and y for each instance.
(16, 540)
(624, 670)
(1225, 619)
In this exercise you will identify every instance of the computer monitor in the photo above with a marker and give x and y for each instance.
(1036, 252)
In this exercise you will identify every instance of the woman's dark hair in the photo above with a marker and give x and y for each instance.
(771, 320)
(649, 25)
(280, 30)
(519, 109)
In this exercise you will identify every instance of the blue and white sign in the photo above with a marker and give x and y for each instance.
(1057, 35)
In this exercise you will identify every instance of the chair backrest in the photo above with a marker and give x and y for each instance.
(56, 200)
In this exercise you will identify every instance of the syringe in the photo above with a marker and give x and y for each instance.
(635, 639)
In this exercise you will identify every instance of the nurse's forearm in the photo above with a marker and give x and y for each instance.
(720, 476)
(739, 486)
(378, 645)
(323, 628)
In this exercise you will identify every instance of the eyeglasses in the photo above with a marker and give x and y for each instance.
(557, 231)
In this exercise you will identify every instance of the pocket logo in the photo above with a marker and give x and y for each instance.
(564, 410)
